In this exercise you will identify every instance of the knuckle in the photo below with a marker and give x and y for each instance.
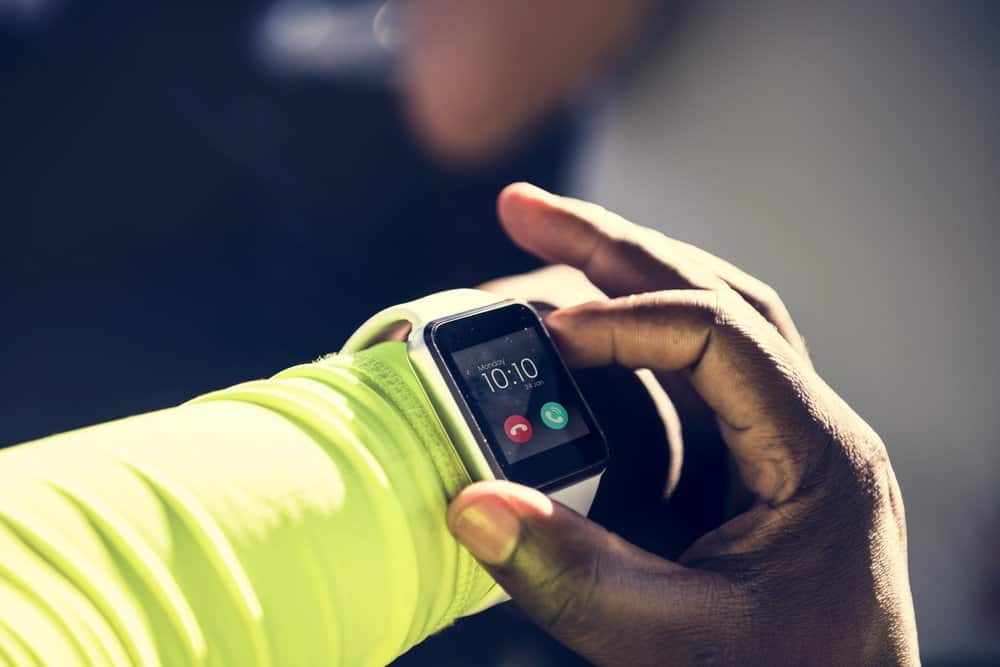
(569, 595)
(592, 213)
(768, 297)
(860, 456)
(595, 217)
(773, 309)
(870, 465)
(630, 242)
(729, 307)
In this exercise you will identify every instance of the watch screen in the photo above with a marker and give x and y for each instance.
(516, 385)
(519, 394)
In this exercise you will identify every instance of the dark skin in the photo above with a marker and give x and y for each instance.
(810, 568)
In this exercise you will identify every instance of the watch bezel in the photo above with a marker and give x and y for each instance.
(551, 469)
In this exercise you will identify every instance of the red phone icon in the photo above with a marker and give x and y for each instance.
(517, 428)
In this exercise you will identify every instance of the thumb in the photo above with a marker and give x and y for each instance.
(591, 590)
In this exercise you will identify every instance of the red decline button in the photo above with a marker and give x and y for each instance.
(517, 428)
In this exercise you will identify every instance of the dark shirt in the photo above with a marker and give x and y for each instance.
(173, 218)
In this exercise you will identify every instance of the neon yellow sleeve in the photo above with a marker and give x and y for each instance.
(292, 521)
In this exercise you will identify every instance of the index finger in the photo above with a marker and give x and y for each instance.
(618, 256)
(766, 397)
(621, 257)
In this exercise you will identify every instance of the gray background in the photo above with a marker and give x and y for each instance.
(847, 153)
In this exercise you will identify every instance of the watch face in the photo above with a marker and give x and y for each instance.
(519, 396)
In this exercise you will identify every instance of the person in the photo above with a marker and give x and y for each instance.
(811, 570)
(846, 153)
(263, 183)
(223, 535)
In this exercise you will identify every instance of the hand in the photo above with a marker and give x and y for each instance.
(813, 571)
(633, 405)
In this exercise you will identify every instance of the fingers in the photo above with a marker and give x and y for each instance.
(601, 596)
(757, 293)
(623, 258)
(699, 312)
(761, 390)
(553, 286)
(616, 255)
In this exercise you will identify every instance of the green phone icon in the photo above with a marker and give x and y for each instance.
(554, 415)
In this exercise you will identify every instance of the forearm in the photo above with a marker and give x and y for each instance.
(297, 520)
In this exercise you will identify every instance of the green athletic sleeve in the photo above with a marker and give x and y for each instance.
(292, 521)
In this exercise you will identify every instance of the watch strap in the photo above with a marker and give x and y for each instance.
(422, 311)
(418, 313)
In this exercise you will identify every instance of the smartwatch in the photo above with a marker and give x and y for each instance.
(500, 389)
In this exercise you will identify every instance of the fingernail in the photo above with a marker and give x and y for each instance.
(489, 529)
(538, 191)
(559, 323)
(555, 318)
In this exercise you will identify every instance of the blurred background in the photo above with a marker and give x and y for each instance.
(195, 194)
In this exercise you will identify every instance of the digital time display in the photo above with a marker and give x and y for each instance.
(525, 369)
(518, 395)
(521, 392)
